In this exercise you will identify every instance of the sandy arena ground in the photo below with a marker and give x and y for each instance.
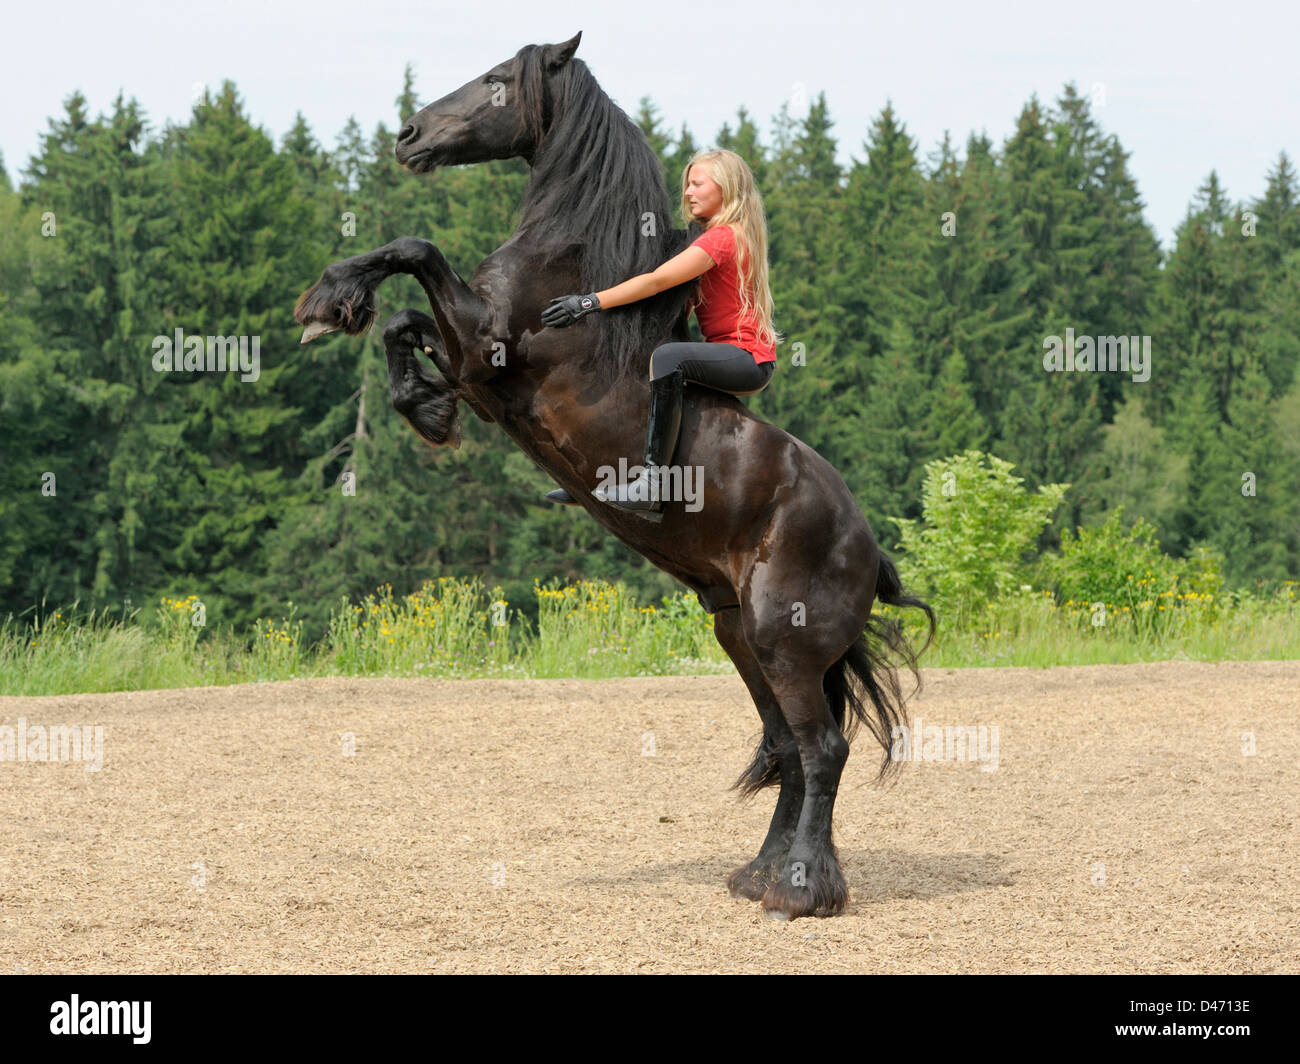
(586, 826)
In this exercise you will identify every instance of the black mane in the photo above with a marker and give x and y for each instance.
(594, 178)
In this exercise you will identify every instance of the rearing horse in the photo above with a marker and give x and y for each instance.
(777, 551)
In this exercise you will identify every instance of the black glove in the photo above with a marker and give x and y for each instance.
(567, 309)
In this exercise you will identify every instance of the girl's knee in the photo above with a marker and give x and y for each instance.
(662, 361)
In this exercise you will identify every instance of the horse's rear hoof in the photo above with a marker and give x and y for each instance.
(824, 894)
(750, 882)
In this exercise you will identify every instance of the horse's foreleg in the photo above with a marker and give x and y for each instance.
(425, 399)
(344, 298)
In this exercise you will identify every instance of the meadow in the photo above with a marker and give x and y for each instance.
(459, 629)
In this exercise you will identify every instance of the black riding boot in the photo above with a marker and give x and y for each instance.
(642, 493)
(562, 498)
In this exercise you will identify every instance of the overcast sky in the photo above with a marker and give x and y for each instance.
(1188, 86)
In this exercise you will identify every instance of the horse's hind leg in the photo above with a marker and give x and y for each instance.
(424, 398)
(810, 883)
(776, 761)
(794, 660)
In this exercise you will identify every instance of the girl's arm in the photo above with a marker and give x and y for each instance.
(678, 270)
(563, 311)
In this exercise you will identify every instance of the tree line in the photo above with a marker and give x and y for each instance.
(919, 299)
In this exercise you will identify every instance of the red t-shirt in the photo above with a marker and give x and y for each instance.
(719, 310)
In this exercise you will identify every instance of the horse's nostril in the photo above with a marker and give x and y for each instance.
(407, 133)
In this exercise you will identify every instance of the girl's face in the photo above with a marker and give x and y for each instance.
(702, 195)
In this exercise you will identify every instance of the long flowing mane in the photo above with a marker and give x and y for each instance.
(597, 187)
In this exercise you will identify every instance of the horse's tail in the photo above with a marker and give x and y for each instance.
(870, 661)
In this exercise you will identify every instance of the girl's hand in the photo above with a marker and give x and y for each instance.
(565, 310)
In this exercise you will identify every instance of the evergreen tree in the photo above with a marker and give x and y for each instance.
(96, 284)
(1141, 472)
(746, 142)
(36, 435)
(891, 348)
(805, 219)
(1085, 258)
(974, 265)
(1242, 505)
(232, 441)
(1276, 248)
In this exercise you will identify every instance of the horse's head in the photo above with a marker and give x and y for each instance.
(501, 115)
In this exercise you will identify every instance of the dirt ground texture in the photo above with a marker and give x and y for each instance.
(1140, 818)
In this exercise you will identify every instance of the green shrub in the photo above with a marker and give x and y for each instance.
(1109, 575)
(1109, 564)
(977, 525)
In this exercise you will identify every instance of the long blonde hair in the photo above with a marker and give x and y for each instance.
(742, 209)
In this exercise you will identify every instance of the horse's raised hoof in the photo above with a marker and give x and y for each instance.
(341, 299)
(752, 880)
(315, 329)
(815, 888)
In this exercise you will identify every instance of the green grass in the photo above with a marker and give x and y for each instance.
(1031, 629)
(456, 629)
(448, 628)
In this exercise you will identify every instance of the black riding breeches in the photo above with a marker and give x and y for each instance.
(722, 366)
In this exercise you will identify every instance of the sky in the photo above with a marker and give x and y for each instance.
(1189, 86)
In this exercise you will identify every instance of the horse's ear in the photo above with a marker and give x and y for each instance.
(558, 54)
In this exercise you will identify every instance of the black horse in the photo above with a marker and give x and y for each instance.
(776, 548)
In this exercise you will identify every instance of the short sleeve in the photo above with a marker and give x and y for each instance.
(719, 243)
